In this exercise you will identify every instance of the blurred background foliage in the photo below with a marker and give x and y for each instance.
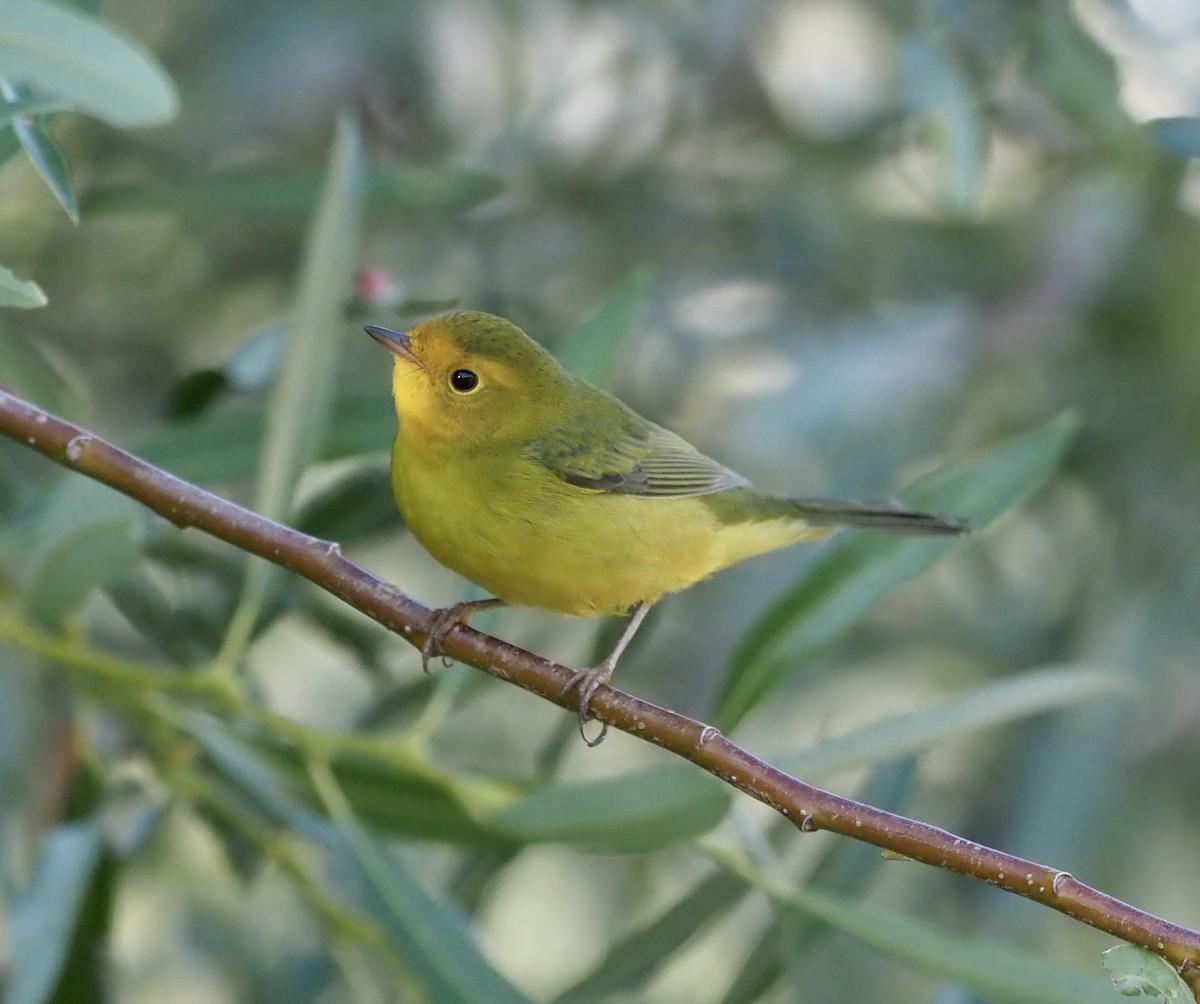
(835, 243)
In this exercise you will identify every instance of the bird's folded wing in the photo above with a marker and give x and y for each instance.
(634, 457)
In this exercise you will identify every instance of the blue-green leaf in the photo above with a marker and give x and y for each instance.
(45, 917)
(16, 292)
(68, 54)
(50, 161)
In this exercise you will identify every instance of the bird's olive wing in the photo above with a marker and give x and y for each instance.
(631, 456)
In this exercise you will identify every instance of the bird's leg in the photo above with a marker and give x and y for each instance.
(590, 680)
(445, 619)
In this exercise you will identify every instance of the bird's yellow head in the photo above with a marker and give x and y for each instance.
(471, 376)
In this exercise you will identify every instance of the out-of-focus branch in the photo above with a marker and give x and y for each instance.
(809, 808)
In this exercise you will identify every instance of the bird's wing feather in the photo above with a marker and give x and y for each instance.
(622, 452)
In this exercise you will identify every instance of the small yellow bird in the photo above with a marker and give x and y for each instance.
(549, 492)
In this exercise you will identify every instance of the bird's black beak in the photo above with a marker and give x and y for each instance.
(396, 342)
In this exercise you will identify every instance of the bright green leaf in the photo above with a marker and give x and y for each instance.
(16, 292)
(856, 571)
(68, 54)
(1136, 972)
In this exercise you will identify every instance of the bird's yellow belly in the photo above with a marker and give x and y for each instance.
(534, 540)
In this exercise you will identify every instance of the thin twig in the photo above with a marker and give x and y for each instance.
(809, 808)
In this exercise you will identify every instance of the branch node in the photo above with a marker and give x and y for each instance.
(75, 448)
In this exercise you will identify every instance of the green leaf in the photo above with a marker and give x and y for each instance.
(856, 571)
(847, 866)
(1136, 972)
(292, 193)
(299, 413)
(47, 914)
(629, 963)
(86, 537)
(430, 936)
(353, 505)
(987, 707)
(637, 812)
(50, 162)
(1070, 67)
(994, 971)
(22, 293)
(68, 54)
(224, 446)
(25, 368)
(590, 349)
(388, 785)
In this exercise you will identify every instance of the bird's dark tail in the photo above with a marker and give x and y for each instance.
(888, 518)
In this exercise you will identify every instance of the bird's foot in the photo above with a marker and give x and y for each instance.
(446, 619)
(587, 682)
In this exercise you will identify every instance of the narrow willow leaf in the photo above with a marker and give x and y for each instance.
(292, 193)
(387, 785)
(23, 293)
(987, 707)
(51, 163)
(300, 407)
(856, 571)
(45, 917)
(71, 55)
(995, 972)
(644, 811)
(431, 936)
(590, 349)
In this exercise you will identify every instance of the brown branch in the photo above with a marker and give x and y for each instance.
(809, 808)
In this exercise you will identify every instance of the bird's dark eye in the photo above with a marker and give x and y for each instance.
(464, 381)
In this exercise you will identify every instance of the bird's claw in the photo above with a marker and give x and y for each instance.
(588, 681)
(441, 621)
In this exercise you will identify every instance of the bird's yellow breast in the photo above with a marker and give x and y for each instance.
(531, 539)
